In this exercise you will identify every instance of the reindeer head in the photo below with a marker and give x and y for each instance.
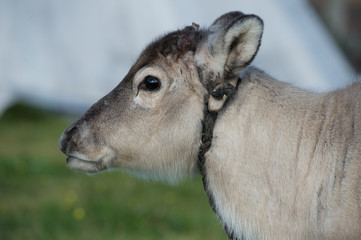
(151, 123)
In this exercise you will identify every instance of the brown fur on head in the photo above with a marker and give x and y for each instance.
(176, 43)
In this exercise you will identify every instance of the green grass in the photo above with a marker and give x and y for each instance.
(40, 198)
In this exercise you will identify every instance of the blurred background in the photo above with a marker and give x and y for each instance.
(59, 57)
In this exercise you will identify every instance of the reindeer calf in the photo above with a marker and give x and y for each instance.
(277, 162)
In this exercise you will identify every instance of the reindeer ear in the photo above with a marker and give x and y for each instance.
(235, 38)
(232, 43)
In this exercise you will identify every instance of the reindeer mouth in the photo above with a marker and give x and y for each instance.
(85, 165)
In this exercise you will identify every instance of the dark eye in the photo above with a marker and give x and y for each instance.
(151, 83)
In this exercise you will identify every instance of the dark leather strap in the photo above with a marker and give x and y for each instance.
(209, 120)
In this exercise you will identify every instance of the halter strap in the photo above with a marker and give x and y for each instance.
(209, 120)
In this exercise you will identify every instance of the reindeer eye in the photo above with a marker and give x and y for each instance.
(151, 83)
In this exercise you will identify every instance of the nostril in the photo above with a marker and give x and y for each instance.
(65, 138)
(70, 131)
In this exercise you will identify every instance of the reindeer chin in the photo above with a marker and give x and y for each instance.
(85, 165)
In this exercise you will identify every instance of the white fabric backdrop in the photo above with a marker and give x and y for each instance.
(67, 54)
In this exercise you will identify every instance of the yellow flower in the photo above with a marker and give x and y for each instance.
(79, 213)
